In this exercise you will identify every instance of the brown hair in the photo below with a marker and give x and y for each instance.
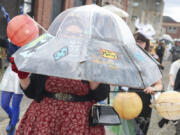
(139, 36)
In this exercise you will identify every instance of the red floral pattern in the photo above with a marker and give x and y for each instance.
(55, 117)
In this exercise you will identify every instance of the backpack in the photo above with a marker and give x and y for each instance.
(176, 53)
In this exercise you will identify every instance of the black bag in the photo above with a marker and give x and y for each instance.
(103, 115)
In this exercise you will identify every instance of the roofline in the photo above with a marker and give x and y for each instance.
(171, 24)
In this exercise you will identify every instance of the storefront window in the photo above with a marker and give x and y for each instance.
(171, 29)
(57, 8)
(94, 1)
(79, 3)
(29, 7)
(98, 2)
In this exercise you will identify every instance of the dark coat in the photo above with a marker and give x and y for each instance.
(177, 81)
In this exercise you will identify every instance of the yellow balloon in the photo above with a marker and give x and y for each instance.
(168, 105)
(128, 105)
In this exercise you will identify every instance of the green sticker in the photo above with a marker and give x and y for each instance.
(45, 37)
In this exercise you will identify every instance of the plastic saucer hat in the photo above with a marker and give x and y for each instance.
(166, 37)
(146, 30)
(89, 43)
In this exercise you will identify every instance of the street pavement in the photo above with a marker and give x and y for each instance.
(168, 129)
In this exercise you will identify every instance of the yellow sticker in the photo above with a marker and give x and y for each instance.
(108, 54)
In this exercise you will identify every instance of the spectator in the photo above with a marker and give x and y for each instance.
(172, 74)
(175, 51)
(160, 49)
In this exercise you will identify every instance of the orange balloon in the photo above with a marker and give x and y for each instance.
(128, 105)
(22, 29)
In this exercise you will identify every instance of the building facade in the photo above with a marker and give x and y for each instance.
(148, 12)
(45, 11)
(172, 29)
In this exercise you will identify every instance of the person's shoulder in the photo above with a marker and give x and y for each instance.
(176, 63)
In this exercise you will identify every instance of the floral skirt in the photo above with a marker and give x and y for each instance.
(53, 117)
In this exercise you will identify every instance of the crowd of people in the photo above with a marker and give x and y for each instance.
(61, 106)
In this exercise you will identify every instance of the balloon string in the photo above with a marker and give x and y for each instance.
(38, 24)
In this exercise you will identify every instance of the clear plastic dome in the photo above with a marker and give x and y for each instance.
(89, 43)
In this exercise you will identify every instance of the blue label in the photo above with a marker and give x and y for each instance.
(61, 53)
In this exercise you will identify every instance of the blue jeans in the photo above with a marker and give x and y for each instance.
(14, 109)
